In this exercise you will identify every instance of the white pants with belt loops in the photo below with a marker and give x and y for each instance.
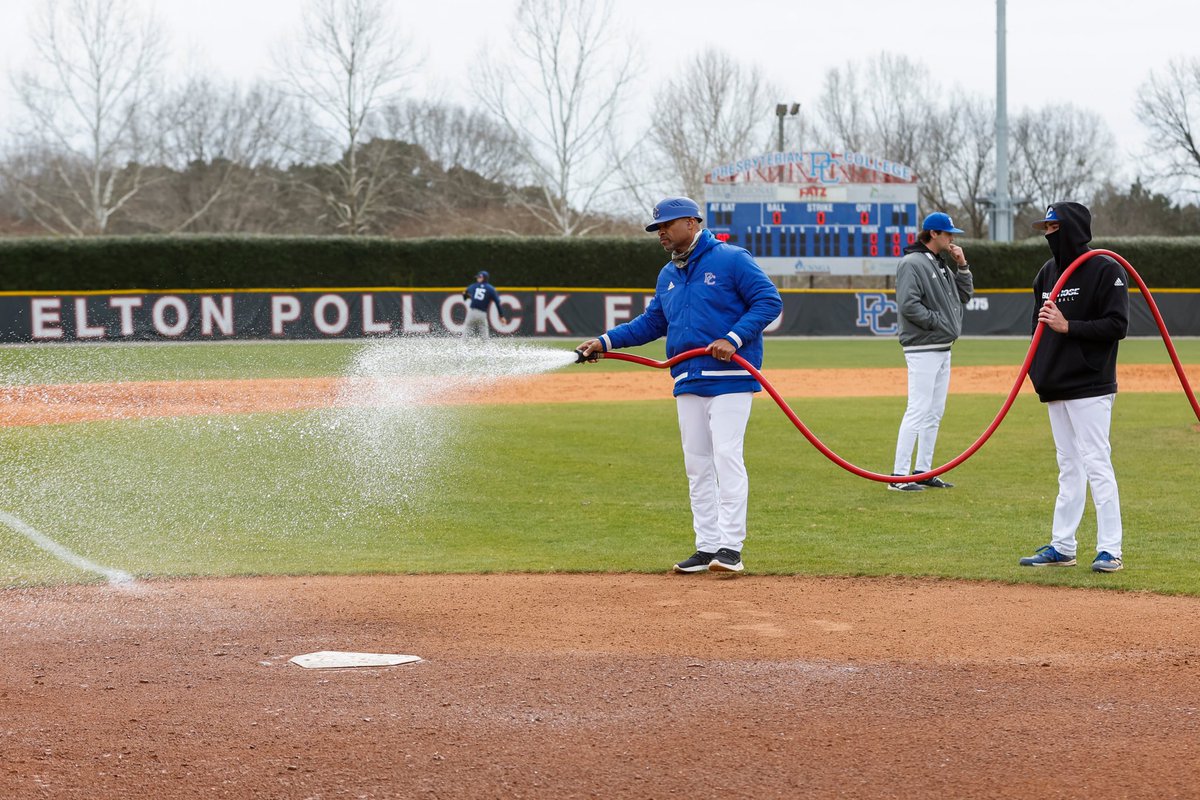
(476, 323)
(928, 383)
(1080, 429)
(712, 430)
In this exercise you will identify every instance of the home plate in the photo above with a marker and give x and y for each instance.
(335, 659)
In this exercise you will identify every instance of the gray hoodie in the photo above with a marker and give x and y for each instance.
(930, 297)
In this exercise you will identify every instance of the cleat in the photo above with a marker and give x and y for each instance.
(696, 562)
(726, 560)
(1048, 557)
(905, 486)
(934, 483)
(1106, 562)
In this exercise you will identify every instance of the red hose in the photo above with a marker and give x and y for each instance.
(1012, 395)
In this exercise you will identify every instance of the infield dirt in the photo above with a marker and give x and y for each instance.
(632, 686)
(606, 686)
(82, 402)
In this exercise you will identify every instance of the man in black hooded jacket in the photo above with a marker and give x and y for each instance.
(1074, 372)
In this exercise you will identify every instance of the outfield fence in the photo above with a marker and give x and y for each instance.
(319, 313)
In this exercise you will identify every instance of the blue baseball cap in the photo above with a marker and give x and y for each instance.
(482, 274)
(673, 208)
(940, 221)
(1051, 216)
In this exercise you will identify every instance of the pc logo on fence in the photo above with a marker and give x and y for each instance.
(872, 307)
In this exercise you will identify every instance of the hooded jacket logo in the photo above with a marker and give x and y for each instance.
(1119, 282)
(670, 286)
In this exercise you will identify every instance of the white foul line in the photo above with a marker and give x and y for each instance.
(115, 576)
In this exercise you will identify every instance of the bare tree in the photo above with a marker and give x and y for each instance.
(345, 65)
(559, 99)
(456, 137)
(1169, 105)
(891, 106)
(840, 122)
(880, 107)
(85, 99)
(221, 142)
(1139, 211)
(1060, 153)
(729, 115)
(476, 159)
(956, 160)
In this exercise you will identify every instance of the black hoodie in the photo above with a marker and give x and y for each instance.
(1095, 302)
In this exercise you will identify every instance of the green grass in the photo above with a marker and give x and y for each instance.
(885, 352)
(572, 487)
(174, 361)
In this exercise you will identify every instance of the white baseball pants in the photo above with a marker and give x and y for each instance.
(928, 383)
(476, 324)
(1080, 429)
(712, 430)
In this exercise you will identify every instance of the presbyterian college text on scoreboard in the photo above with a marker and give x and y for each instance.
(815, 212)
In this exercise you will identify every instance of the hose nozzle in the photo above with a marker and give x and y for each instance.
(581, 357)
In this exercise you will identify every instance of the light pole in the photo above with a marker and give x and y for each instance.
(782, 110)
(1001, 205)
(1002, 202)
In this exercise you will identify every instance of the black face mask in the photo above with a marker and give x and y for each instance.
(1055, 240)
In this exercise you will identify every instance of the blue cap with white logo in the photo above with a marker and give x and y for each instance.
(940, 221)
(1051, 216)
(673, 208)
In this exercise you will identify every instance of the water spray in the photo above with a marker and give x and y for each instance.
(1008, 402)
(395, 430)
(115, 577)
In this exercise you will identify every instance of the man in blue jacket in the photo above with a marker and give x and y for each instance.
(710, 295)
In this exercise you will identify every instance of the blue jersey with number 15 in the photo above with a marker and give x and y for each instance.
(481, 295)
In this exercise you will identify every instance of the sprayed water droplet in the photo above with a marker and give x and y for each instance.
(152, 493)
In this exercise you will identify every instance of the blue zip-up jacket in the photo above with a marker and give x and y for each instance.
(721, 293)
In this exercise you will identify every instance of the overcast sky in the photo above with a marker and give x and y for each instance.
(1094, 53)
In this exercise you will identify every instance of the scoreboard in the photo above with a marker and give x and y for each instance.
(804, 227)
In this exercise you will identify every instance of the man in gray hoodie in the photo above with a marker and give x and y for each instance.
(933, 283)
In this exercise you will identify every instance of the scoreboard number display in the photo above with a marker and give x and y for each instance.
(815, 212)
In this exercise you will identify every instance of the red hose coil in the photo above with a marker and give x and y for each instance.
(1012, 395)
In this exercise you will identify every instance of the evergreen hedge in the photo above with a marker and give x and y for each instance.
(1163, 262)
(250, 262)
